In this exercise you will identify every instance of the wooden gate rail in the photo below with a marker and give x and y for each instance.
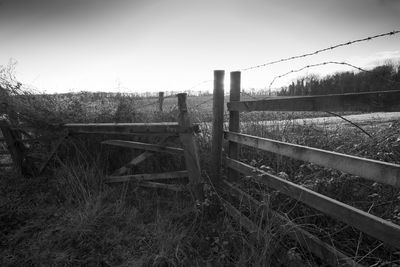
(144, 146)
(368, 223)
(368, 102)
(131, 128)
(375, 170)
(148, 176)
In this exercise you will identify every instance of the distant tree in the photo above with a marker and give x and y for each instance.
(384, 77)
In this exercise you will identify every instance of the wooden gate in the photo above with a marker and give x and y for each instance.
(183, 130)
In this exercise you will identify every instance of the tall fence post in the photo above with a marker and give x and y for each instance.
(191, 151)
(160, 101)
(217, 130)
(234, 122)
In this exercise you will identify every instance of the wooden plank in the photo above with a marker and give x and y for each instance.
(234, 121)
(374, 226)
(81, 132)
(145, 128)
(190, 148)
(375, 170)
(217, 127)
(368, 102)
(144, 146)
(173, 187)
(308, 241)
(147, 177)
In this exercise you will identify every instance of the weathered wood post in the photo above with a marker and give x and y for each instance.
(217, 130)
(160, 101)
(191, 151)
(234, 122)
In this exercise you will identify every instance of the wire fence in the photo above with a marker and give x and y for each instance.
(286, 59)
(321, 50)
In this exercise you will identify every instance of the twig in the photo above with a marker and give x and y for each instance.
(352, 123)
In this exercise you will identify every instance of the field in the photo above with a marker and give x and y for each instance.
(68, 216)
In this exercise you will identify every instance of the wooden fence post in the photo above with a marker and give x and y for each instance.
(234, 122)
(191, 151)
(217, 130)
(160, 101)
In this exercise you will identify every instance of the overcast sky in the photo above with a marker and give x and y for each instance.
(145, 45)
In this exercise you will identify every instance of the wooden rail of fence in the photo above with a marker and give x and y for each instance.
(379, 171)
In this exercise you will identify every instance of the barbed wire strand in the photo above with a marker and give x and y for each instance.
(321, 50)
(198, 84)
(202, 103)
(244, 93)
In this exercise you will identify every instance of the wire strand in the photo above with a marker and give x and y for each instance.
(321, 50)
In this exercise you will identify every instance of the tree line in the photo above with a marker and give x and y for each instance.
(381, 78)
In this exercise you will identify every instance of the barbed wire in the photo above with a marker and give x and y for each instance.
(321, 50)
(244, 93)
(314, 65)
(198, 84)
(202, 103)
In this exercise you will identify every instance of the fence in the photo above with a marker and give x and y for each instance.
(378, 171)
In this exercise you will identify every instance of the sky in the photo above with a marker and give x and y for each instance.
(164, 45)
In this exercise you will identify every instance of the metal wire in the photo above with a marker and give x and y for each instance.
(244, 93)
(198, 84)
(311, 66)
(202, 103)
(322, 50)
